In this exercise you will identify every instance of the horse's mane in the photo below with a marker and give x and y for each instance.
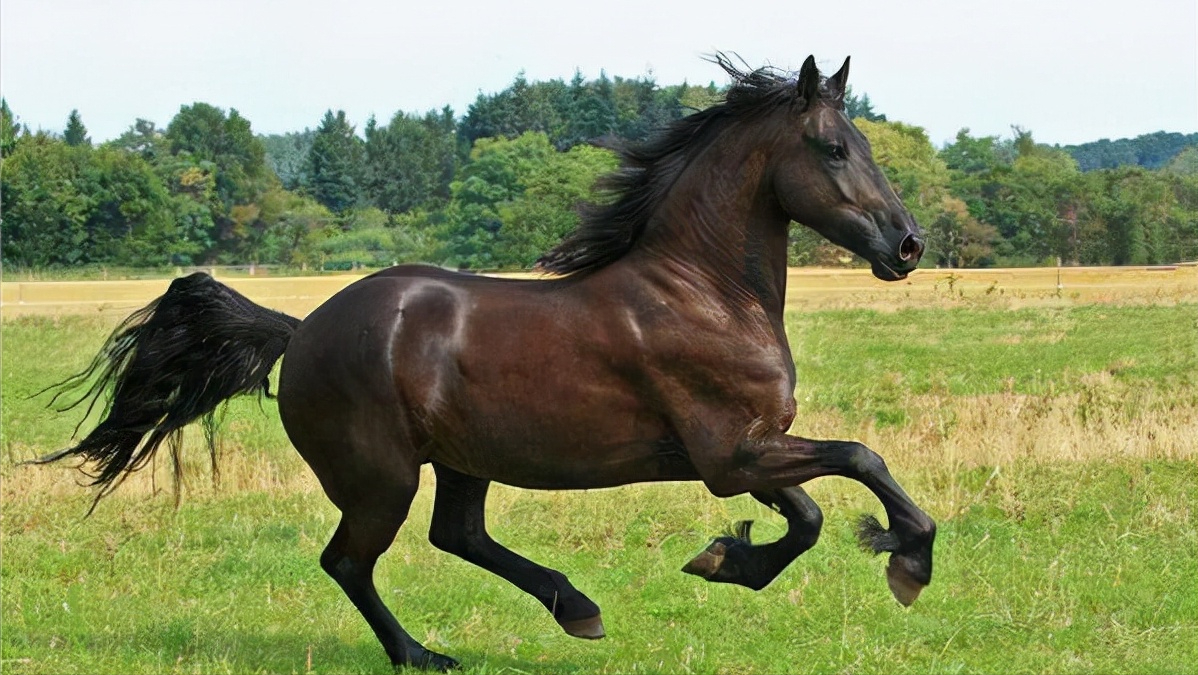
(648, 170)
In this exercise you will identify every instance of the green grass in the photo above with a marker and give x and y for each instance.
(969, 352)
(867, 363)
(1065, 566)
(1070, 581)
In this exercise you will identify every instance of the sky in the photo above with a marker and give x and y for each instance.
(1070, 71)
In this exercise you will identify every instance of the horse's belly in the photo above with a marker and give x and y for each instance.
(566, 460)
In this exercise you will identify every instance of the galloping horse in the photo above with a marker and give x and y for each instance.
(654, 352)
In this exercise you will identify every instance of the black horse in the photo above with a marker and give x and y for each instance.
(654, 352)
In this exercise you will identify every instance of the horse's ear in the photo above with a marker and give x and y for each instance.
(838, 83)
(808, 85)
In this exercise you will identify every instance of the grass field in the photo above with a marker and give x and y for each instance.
(1053, 436)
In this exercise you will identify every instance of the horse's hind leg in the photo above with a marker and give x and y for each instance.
(459, 527)
(364, 534)
(778, 460)
(735, 560)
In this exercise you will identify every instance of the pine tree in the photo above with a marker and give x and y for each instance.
(9, 129)
(860, 106)
(333, 170)
(76, 134)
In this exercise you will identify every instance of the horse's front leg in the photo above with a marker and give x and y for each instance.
(734, 559)
(776, 460)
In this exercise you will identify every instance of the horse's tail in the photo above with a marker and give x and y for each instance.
(168, 364)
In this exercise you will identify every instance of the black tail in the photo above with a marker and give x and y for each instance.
(168, 364)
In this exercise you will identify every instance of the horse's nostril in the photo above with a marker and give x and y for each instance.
(910, 248)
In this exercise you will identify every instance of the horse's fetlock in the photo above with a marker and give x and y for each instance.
(924, 528)
(814, 521)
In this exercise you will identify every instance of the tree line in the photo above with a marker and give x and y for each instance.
(496, 187)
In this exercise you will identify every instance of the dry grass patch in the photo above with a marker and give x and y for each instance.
(807, 289)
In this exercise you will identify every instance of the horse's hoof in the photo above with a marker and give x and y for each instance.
(707, 563)
(439, 662)
(590, 628)
(902, 584)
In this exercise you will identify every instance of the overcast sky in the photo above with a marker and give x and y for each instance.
(1071, 71)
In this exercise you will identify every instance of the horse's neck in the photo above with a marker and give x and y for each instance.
(721, 223)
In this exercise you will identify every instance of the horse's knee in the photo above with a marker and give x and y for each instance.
(334, 552)
(337, 562)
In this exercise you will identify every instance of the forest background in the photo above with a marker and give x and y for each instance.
(493, 189)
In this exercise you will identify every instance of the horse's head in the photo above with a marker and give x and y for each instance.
(825, 177)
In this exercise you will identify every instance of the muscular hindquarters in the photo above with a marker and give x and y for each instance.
(338, 403)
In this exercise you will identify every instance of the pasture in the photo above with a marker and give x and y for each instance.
(1049, 425)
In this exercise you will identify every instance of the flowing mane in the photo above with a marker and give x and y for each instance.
(648, 169)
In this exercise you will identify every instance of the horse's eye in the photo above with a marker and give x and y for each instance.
(836, 151)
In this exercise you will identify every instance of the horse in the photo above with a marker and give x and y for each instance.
(651, 349)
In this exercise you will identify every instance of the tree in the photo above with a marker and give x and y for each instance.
(539, 106)
(10, 130)
(410, 162)
(516, 199)
(1180, 240)
(976, 155)
(142, 138)
(75, 133)
(593, 113)
(287, 156)
(1151, 151)
(1042, 207)
(295, 226)
(129, 220)
(642, 107)
(333, 172)
(365, 239)
(959, 239)
(66, 205)
(547, 210)
(203, 133)
(1185, 163)
(862, 107)
(1143, 214)
(215, 164)
(693, 98)
(45, 214)
(1048, 193)
(580, 111)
